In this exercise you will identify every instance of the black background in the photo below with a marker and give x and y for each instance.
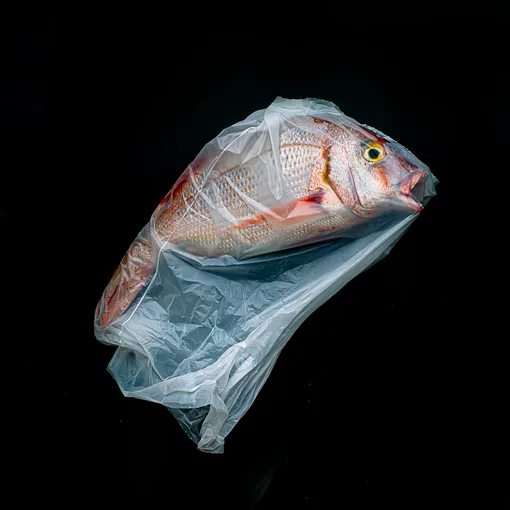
(101, 114)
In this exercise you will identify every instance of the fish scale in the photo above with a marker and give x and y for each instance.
(298, 163)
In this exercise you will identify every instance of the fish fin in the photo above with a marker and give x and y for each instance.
(250, 221)
(300, 210)
(305, 207)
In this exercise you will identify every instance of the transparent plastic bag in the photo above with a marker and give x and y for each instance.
(201, 314)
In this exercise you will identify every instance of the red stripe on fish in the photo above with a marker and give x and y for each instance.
(246, 223)
(166, 198)
(113, 294)
(104, 319)
(300, 210)
(180, 187)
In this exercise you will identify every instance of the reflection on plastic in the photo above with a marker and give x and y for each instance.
(272, 218)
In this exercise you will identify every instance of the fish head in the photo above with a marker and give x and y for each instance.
(383, 175)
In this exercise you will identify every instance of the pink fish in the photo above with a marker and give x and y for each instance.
(331, 177)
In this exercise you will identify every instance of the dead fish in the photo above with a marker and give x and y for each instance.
(331, 176)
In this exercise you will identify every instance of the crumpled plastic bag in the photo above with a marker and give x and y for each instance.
(204, 332)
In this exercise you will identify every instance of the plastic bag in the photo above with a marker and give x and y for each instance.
(201, 323)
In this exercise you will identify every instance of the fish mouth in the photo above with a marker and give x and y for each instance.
(412, 190)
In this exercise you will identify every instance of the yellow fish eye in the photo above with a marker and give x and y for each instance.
(373, 152)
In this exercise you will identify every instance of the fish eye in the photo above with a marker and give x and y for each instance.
(373, 152)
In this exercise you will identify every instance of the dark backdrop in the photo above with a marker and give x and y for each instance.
(102, 114)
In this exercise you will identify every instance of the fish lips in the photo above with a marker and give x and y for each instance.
(412, 189)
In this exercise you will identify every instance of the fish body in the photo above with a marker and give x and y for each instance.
(330, 178)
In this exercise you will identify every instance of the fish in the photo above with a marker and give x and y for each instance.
(330, 177)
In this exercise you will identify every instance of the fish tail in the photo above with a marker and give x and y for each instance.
(130, 276)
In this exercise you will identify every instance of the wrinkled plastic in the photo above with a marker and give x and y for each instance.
(204, 332)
